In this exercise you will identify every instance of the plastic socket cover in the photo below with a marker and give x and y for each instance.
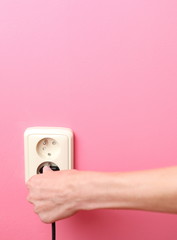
(47, 146)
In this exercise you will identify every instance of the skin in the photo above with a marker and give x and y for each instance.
(58, 195)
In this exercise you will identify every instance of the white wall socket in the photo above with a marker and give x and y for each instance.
(47, 146)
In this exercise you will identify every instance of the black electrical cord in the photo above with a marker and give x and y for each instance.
(53, 231)
(54, 168)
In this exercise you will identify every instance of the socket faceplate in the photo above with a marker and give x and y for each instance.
(47, 144)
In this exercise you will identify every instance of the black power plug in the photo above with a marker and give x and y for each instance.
(52, 167)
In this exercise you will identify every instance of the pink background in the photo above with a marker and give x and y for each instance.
(106, 69)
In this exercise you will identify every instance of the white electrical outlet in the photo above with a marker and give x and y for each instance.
(47, 146)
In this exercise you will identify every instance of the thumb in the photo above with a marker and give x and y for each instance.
(46, 169)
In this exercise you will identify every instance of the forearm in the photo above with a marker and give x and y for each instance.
(151, 190)
(57, 195)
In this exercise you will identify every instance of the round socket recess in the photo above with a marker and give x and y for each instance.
(52, 166)
(48, 148)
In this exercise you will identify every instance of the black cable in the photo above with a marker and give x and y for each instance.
(53, 231)
(54, 168)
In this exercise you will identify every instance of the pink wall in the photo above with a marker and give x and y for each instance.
(106, 69)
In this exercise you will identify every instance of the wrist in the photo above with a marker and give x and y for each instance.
(101, 190)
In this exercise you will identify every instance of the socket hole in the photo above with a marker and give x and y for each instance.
(48, 148)
(52, 166)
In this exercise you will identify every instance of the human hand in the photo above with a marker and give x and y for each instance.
(60, 194)
(54, 194)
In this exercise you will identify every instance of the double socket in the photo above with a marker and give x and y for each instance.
(48, 146)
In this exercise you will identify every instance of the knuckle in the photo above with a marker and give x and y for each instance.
(29, 183)
(36, 210)
(29, 199)
(32, 181)
(44, 218)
